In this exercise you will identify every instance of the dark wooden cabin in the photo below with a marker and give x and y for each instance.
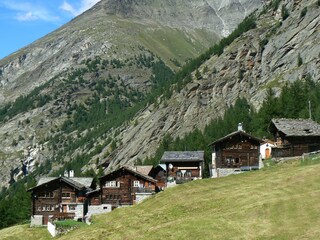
(158, 173)
(125, 186)
(293, 137)
(236, 150)
(60, 197)
(183, 166)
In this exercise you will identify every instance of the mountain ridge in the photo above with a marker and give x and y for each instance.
(65, 69)
(254, 62)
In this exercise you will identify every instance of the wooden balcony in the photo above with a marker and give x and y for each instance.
(144, 190)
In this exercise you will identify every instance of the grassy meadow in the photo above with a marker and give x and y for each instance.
(278, 202)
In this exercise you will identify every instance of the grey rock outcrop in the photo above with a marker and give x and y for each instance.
(263, 65)
(172, 30)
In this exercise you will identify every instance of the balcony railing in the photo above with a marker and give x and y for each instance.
(180, 180)
(62, 216)
(144, 190)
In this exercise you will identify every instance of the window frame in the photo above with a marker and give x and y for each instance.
(66, 193)
(112, 184)
(136, 183)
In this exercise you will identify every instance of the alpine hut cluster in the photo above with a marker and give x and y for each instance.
(77, 198)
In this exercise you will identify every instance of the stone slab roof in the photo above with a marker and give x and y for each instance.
(143, 169)
(297, 127)
(78, 183)
(242, 133)
(182, 156)
(133, 171)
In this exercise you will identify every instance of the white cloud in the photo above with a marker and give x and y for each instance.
(69, 8)
(25, 11)
(75, 11)
(29, 16)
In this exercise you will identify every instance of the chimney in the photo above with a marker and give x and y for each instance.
(240, 128)
(65, 173)
(71, 173)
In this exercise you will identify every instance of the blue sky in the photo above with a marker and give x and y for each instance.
(24, 21)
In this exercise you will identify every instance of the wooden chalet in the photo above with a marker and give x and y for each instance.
(293, 137)
(124, 186)
(238, 151)
(183, 166)
(158, 173)
(59, 197)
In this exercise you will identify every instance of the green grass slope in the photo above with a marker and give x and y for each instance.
(279, 202)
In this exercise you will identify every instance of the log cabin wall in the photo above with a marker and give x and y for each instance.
(161, 176)
(296, 146)
(95, 198)
(46, 200)
(234, 153)
(119, 188)
(192, 168)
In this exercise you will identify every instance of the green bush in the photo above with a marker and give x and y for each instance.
(284, 12)
(299, 60)
(303, 12)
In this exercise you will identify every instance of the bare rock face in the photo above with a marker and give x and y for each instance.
(174, 31)
(107, 28)
(266, 56)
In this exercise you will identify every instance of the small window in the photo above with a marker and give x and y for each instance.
(52, 208)
(112, 184)
(46, 195)
(39, 208)
(72, 207)
(136, 183)
(48, 208)
(188, 174)
(43, 208)
(66, 195)
(179, 174)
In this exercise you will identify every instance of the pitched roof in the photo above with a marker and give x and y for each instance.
(133, 171)
(183, 156)
(297, 127)
(78, 183)
(146, 169)
(242, 133)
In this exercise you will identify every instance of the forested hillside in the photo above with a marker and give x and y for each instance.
(65, 97)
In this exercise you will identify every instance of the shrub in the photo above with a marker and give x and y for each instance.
(284, 12)
(299, 60)
(303, 12)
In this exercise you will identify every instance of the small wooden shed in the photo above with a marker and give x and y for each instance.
(183, 166)
(293, 137)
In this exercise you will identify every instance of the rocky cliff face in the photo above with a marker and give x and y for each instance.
(264, 57)
(107, 28)
(170, 30)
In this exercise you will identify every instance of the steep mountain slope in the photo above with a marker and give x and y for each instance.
(98, 66)
(277, 51)
(170, 29)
